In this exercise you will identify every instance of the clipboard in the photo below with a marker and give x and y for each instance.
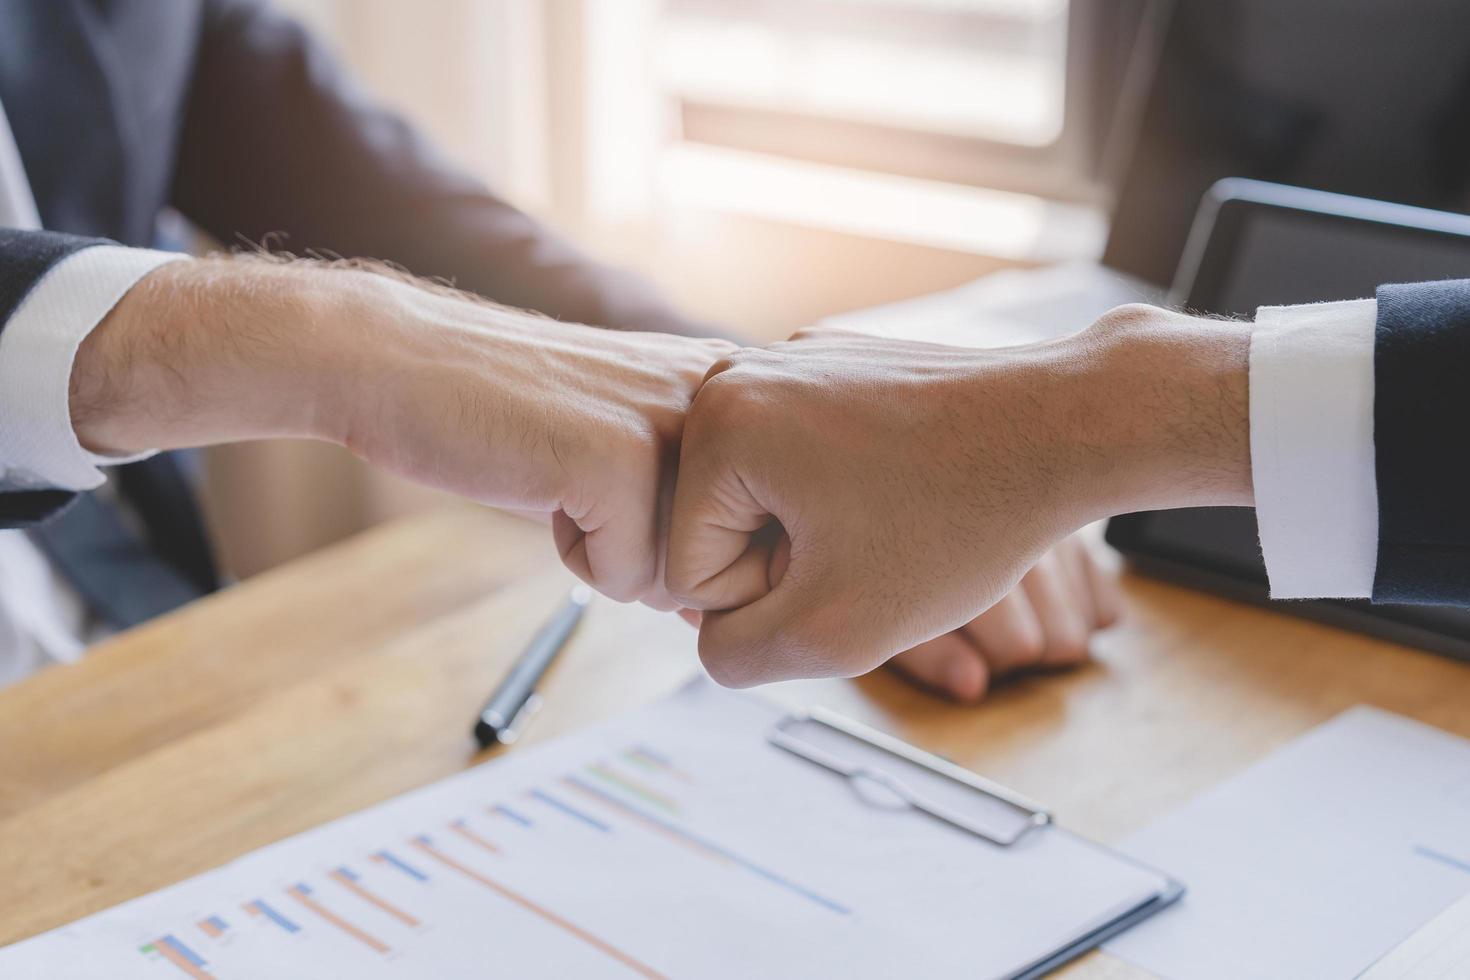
(886, 771)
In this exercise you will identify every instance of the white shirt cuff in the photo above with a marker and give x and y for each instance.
(38, 446)
(1311, 420)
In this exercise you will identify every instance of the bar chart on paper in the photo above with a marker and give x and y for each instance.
(672, 842)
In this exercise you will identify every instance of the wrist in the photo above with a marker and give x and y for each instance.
(1159, 404)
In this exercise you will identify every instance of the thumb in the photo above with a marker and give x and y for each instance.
(797, 629)
(722, 539)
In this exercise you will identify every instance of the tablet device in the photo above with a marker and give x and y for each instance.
(1257, 244)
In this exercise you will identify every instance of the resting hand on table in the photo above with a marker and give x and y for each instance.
(1044, 623)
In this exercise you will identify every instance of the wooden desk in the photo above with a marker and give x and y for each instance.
(350, 676)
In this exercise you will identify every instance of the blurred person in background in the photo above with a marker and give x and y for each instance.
(230, 113)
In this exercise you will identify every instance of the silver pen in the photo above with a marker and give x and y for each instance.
(515, 700)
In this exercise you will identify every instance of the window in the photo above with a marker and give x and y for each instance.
(981, 69)
(930, 109)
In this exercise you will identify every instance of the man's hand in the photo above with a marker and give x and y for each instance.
(497, 405)
(842, 498)
(1044, 623)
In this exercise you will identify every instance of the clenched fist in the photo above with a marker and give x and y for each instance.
(842, 498)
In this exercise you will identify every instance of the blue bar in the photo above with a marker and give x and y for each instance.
(218, 923)
(648, 753)
(570, 811)
(303, 888)
(276, 917)
(1442, 858)
(709, 845)
(506, 811)
(346, 872)
(182, 950)
(403, 866)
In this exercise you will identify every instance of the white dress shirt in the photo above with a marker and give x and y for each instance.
(42, 619)
(1312, 459)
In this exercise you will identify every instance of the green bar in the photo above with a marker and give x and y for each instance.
(643, 792)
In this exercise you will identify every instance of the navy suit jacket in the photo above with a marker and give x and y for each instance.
(1421, 405)
(230, 113)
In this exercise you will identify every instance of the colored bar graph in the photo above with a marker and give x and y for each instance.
(426, 845)
(345, 877)
(704, 844)
(303, 894)
(630, 785)
(569, 810)
(388, 858)
(213, 926)
(259, 907)
(181, 956)
(468, 833)
(509, 814)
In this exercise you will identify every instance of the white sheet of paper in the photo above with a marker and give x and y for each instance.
(1005, 308)
(675, 841)
(1315, 862)
(1439, 951)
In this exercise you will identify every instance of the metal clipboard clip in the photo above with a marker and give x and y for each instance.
(867, 758)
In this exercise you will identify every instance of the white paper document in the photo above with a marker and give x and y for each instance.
(673, 842)
(1315, 862)
(1439, 951)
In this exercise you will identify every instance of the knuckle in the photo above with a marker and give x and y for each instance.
(679, 583)
(723, 397)
(1030, 648)
(1069, 647)
(811, 332)
(634, 457)
(1127, 317)
(731, 359)
(622, 589)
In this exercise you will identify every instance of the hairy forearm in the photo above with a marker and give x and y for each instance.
(218, 350)
(495, 404)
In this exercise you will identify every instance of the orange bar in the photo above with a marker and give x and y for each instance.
(368, 896)
(545, 913)
(295, 892)
(174, 957)
(210, 929)
(459, 828)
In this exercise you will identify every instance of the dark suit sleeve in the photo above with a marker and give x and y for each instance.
(277, 139)
(1421, 408)
(25, 258)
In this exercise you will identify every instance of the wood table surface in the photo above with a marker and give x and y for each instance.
(350, 676)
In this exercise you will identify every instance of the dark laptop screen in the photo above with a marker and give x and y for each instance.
(1278, 257)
